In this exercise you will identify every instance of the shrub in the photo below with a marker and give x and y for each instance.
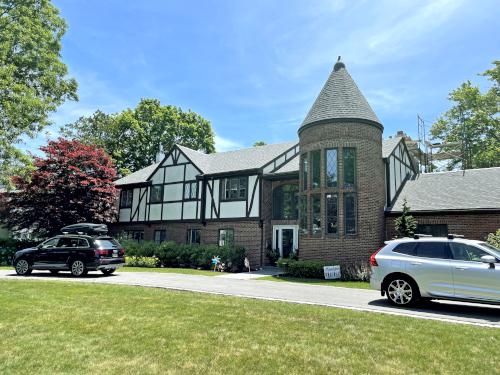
(494, 239)
(273, 255)
(9, 246)
(312, 269)
(149, 262)
(359, 271)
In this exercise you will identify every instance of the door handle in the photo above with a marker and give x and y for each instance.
(461, 268)
(416, 263)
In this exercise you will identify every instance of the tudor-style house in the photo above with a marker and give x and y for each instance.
(333, 194)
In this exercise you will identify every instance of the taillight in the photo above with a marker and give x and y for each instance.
(373, 261)
(100, 253)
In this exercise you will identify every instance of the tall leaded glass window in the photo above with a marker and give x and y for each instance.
(303, 214)
(350, 215)
(316, 169)
(285, 202)
(331, 161)
(332, 213)
(316, 213)
(304, 170)
(349, 167)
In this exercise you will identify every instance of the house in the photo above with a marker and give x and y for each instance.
(332, 194)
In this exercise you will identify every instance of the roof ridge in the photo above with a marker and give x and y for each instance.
(240, 149)
(458, 170)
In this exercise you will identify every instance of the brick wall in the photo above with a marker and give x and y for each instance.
(370, 180)
(246, 234)
(473, 226)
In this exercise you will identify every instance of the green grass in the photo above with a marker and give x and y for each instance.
(57, 327)
(345, 284)
(187, 271)
(6, 268)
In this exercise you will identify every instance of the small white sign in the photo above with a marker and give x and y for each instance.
(331, 272)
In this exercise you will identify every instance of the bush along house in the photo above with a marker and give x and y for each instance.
(331, 195)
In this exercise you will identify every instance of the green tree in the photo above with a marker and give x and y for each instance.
(494, 238)
(405, 224)
(133, 137)
(472, 125)
(259, 143)
(33, 80)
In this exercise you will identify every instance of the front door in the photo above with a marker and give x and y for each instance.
(285, 239)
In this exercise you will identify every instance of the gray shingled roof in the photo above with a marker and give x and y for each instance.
(137, 177)
(221, 162)
(388, 145)
(457, 190)
(239, 160)
(340, 98)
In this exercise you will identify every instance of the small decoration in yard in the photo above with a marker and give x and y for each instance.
(215, 262)
(247, 264)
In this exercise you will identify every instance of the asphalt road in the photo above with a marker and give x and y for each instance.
(355, 299)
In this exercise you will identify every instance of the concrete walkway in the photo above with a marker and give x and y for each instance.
(355, 299)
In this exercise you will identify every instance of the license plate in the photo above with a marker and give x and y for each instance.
(115, 253)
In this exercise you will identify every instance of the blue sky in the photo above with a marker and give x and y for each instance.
(254, 68)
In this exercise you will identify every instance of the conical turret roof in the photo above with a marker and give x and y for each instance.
(340, 99)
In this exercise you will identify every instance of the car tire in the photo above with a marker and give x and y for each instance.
(23, 267)
(108, 271)
(78, 268)
(54, 272)
(402, 291)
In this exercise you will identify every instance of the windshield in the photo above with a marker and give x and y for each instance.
(107, 244)
(492, 248)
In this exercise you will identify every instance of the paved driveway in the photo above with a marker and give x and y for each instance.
(355, 299)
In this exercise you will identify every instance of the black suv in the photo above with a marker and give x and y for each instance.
(81, 248)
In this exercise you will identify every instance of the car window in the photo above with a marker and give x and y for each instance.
(50, 243)
(492, 248)
(466, 252)
(82, 242)
(407, 248)
(68, 242)
(108, 243)
(433, 250)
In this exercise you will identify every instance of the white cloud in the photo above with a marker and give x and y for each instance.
(225, 144)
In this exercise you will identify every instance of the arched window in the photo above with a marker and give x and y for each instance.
(285, 202)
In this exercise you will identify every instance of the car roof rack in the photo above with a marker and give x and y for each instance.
(452, 236)
(86, 228)
(416, 236)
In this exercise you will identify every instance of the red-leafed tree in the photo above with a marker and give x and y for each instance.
(73, 183)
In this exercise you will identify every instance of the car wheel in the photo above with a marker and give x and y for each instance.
(108, 271)
(78, 268)
(402, 291)
(54, 272)
(23, 267)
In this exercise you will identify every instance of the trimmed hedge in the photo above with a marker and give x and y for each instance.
(170, 254)
(9, 246)
(148, 262)
(311, 269)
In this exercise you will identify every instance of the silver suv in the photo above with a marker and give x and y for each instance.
(454, 268)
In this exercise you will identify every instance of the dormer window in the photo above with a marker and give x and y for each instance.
(126, 198)
(234, 188)
(156, 193)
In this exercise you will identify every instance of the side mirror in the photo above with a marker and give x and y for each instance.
(491, 260)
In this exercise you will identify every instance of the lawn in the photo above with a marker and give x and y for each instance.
(56, 327)
(188, 271)
(345, 284)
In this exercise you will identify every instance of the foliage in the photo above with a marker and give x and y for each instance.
(8, 246)
(312, 269)
(406, 224)
(359, 271)
(170, 254)
(472, 121)
(73, 183)
(273, 255)
(259, 143)
(148, 262)
(494, 239)
(33, 80)
(134, 137)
